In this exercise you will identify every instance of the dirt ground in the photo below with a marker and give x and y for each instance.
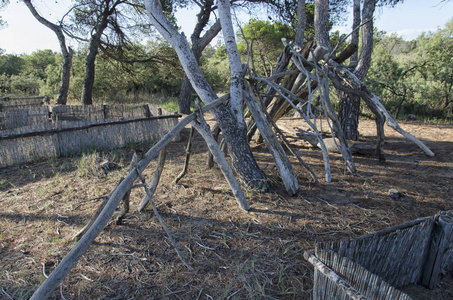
(235, 254)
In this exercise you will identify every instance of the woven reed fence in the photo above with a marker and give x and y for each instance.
(375, 265)
(13, 103)
(43, 132)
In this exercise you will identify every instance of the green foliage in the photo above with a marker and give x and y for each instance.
(262, 39)
(11, 64)
(436, 77)
(215, 67)
(37, 62)
(415, 77)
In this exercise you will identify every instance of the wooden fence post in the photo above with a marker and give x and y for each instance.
(104, 111)
(147, 110)
(441, 237)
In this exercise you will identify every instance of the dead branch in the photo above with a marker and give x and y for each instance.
(215, 134)
(69, 261)
(203, 128)
(345, 80)
(288, 145)
(186, 161)
(153, 185)
(156, 213)
(273, 145)
(284, 92)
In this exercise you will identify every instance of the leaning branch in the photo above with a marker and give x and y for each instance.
(339, 75)
(69, 261)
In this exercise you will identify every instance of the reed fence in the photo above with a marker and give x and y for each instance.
(42, 132)
(375, 265)
(13, 103)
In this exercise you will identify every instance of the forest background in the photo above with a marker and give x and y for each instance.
(411, 77)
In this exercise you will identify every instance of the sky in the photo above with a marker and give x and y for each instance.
(24, 34)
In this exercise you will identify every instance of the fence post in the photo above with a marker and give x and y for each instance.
(104, 111)
(147, 111)
(441, 237)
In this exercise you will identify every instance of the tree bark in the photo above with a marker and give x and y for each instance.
(322, 23)
(348, 115)
(237, 78)
(355, 34)
(66, 51)
(273, 145)
(350, 104)
(95, 40)
(235, 136)
(65, 77)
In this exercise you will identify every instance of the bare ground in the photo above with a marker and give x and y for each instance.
(236, 254)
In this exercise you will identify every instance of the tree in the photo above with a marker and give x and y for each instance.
(284, 10)
(435, 49)
(263, 40)
(3, 4)
(65, 50)
(229, 118)
(350, 104)
(11, 64)
(108, 24)
(392, 71)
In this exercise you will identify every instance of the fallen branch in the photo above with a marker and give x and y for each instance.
(340, 74)
(203, 128)
(69, 261)
(273, 145)
(156, 213)
(153, 185)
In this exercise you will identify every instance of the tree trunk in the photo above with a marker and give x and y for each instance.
(322, 23)
(65, 78)
(348, 115)
(88, 83)
(185, 96)
(66, 51)
(356, 30)
(235, 135)
(350, 104)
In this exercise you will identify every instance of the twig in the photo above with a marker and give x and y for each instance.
(9, 297)
(170, 236)
(44, 270)
(153, 185)
(186, 162)
(61, 292)
(327, 203)
(203, 246)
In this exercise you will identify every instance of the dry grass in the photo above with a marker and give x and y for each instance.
(236, 255)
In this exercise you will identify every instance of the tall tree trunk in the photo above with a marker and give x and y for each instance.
(356, 32)
(95, 40)
(65, 77)
(348, 115)
(185, 96)
(322, 23)
(66, 51)
(235, 135)
(88, 82)
(350, 104)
